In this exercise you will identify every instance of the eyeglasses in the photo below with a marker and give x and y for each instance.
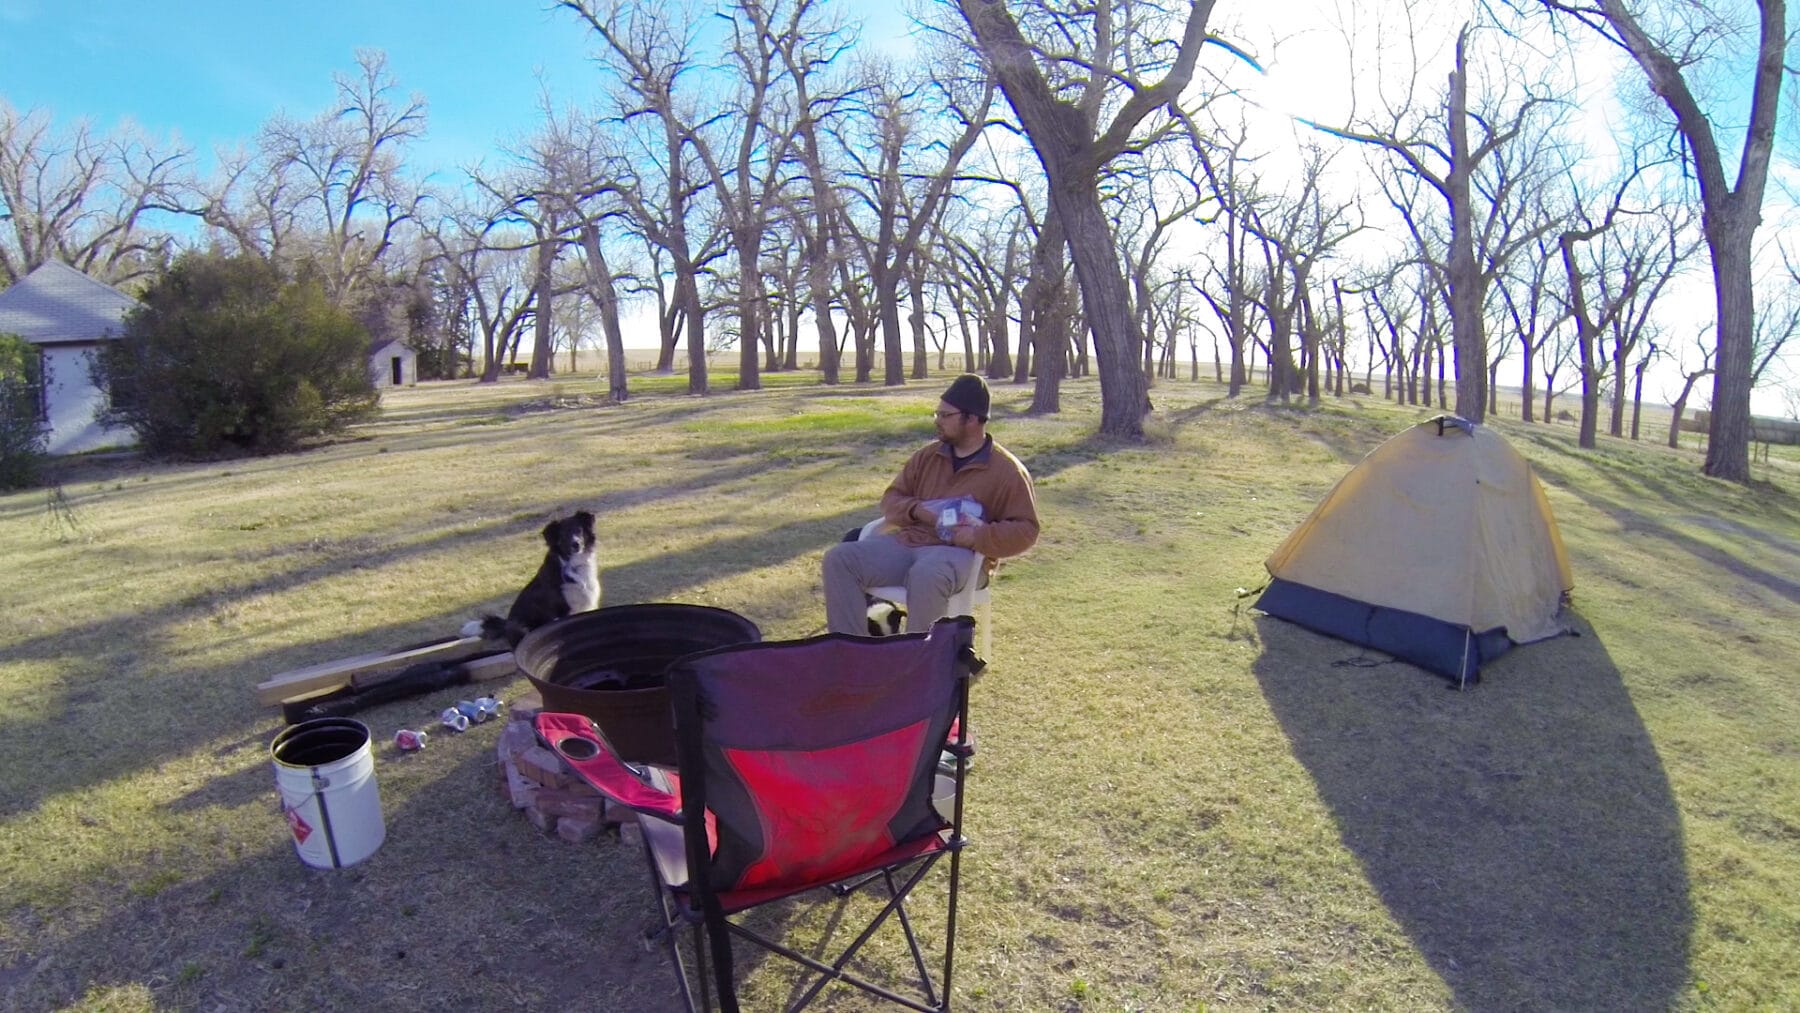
(948, 415)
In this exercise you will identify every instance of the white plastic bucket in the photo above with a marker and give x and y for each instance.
(325, 772)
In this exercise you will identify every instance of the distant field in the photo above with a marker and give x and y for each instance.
(1179, 804)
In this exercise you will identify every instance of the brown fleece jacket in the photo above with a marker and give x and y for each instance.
(993, 477)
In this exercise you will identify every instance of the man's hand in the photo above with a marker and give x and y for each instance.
(963, 535)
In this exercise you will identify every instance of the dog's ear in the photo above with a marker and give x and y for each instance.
(586, 520)
(550, 534)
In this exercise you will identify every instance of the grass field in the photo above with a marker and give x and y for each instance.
(1179, 804)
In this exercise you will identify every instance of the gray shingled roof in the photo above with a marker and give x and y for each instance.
(57, 303)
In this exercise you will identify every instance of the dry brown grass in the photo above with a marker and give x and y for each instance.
(1179, 805)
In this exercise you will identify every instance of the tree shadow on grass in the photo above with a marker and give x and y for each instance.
(1781, 556)
(1522, 833)
(131, 675)
(463, 905)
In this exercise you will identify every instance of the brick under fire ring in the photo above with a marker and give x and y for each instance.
(538, 783)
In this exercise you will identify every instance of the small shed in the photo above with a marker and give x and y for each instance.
(67, 315)
(392, 363)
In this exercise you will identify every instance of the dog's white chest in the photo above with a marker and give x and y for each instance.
(581, 584)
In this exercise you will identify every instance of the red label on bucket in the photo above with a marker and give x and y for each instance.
(301, 830)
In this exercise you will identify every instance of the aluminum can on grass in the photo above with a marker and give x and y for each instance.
(454, 719)
(408, 740)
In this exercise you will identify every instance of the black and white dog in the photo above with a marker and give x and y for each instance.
(568, 581)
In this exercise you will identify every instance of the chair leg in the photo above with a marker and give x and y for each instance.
(896, 904)
(671, 920)
(986, 622)
(912, 941)
(701, 963)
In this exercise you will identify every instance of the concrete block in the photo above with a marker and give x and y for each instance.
(577, 829)
(566, 803)
(541, 819)
(543, 766)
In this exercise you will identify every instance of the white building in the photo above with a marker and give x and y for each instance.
(393, 364)
(67, 314)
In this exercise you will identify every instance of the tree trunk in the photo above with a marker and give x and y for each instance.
(605, 296)
(687, 295)
(1466, 338)
(1637, 397)
(666, 320)
(819, 278)
(968, 340)
(921, 361)
(748, 243)
(1050, 335)
(1728, 435)
(1615, 423)
(1526, 393)
(1234, 311)
(541, 350)
(1063, 137)
(1729, 216)
(1590, 402)
(1680, 406)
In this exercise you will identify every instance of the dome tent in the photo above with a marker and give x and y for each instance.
(1438, 548)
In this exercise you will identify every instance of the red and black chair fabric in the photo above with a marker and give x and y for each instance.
(804, 764)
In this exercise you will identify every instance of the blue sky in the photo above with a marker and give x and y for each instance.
(214, 71)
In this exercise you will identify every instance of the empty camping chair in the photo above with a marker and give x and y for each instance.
(807, 767)
(976, 591)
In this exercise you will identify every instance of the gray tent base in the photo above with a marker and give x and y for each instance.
(1454, 652)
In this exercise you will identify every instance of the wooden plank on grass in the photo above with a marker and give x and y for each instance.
(498, 666)
(332, 674)
(399, 684)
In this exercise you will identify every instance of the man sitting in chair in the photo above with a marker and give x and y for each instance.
(963, 493)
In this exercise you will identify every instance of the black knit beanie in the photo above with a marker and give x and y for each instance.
(968, 393)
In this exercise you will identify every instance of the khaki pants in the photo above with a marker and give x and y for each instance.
(930, 574)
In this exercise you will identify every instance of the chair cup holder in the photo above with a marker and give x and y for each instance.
(578, 749)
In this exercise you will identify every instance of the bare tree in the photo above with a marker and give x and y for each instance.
(1776, 327)
(490, 272)
(1648, 252)
(1111, 50)
(1670, 42)
(1446, 156)
(1157, 199)
(1533, 309)
(808, 51)
(991, 263)
(539, 194)
(1594, 315)
(579, 172)
(1689, 377)
(1223, 159)
(747, 187)
(896, 195)
(82, 199)
(1296, 235)
(330, 189)
(649, 49)
(1559, 352)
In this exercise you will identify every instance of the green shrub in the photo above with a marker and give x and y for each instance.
(22, 429)
(226, 355)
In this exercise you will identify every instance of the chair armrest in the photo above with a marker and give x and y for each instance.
(574, 738)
